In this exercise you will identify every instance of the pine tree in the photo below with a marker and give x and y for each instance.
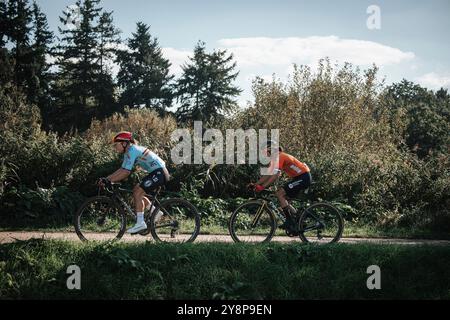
(40, 76)
(6, 67)
(109, 39)
(144, 72)
(19, 18)
(79, 53)
(205, 89)
(4, 23)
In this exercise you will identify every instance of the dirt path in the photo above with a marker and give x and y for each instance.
(12, 236)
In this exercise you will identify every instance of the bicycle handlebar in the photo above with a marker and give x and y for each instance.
(111, 187)
(264, 194)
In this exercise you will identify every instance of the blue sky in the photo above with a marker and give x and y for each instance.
(267, 37)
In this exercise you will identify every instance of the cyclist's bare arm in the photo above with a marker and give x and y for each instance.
(266, 181)
(119, 175)
(262, 180)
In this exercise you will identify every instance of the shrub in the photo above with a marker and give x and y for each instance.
(149, 128)
(337, 120)
(43, 207)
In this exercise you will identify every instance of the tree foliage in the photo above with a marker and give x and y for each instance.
(425, 114)
(205, 89)
(144, 72)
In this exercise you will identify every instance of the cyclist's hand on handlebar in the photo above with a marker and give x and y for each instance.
(259, 188)
(255, 187)
(102, 182)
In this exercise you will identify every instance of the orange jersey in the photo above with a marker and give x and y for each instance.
(289, 164)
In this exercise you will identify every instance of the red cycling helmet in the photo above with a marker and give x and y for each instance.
(123, 136)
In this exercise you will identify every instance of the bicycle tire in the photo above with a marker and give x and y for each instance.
(234, 215)
(110, 204)
(334, 210)
(169, 203)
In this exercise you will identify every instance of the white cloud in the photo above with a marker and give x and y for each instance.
(263, 56)
(263, 51)
(177, 58)
(435, 81)
(50, 59)
(118, 46)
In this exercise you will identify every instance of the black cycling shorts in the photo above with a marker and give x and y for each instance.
(153, 180)
(298, 183)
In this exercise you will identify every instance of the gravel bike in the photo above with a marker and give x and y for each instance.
(256, 220)
(105, 217)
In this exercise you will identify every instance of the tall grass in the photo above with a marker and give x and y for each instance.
(36, 269)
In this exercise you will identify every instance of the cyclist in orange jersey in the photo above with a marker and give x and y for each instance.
(298, 171)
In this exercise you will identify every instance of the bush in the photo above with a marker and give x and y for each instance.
(337, 120)
(51, 207)
(148, 127)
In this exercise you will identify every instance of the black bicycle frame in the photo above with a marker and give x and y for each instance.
(317, 221)
(154, 200)
(265, 204)
(281, 215)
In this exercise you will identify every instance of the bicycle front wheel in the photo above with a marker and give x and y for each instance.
(321, 223)
(252, 222)
(100, 218)
(176, 220)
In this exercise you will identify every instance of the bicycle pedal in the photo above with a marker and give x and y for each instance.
(144, 232)
(139, 232)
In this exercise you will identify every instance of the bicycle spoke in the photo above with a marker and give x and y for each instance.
(252, 222)
(99, 219)
(177, 221)
(321, 223)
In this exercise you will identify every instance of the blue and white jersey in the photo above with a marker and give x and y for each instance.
(142, 157)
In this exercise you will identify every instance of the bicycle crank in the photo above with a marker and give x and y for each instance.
(291, 233)
(174, 229)
(319, 234)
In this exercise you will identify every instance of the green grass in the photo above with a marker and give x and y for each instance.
(350, 230)
(365, 231)
(357, 231)
(36, 269)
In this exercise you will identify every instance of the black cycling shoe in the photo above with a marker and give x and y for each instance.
(287, 225)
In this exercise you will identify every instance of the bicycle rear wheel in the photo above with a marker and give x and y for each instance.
(252, 222)
(176, 220)
(100, 218)
(321, 223)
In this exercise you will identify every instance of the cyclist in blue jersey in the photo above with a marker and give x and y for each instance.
(148, 161)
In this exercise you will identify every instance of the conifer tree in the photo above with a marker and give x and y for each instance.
(144, 72)
(205, 89)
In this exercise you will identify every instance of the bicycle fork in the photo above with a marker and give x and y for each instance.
(258, 214)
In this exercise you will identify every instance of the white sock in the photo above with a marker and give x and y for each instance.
(140, 217)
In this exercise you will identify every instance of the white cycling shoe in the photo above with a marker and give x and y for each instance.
(138, 227)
